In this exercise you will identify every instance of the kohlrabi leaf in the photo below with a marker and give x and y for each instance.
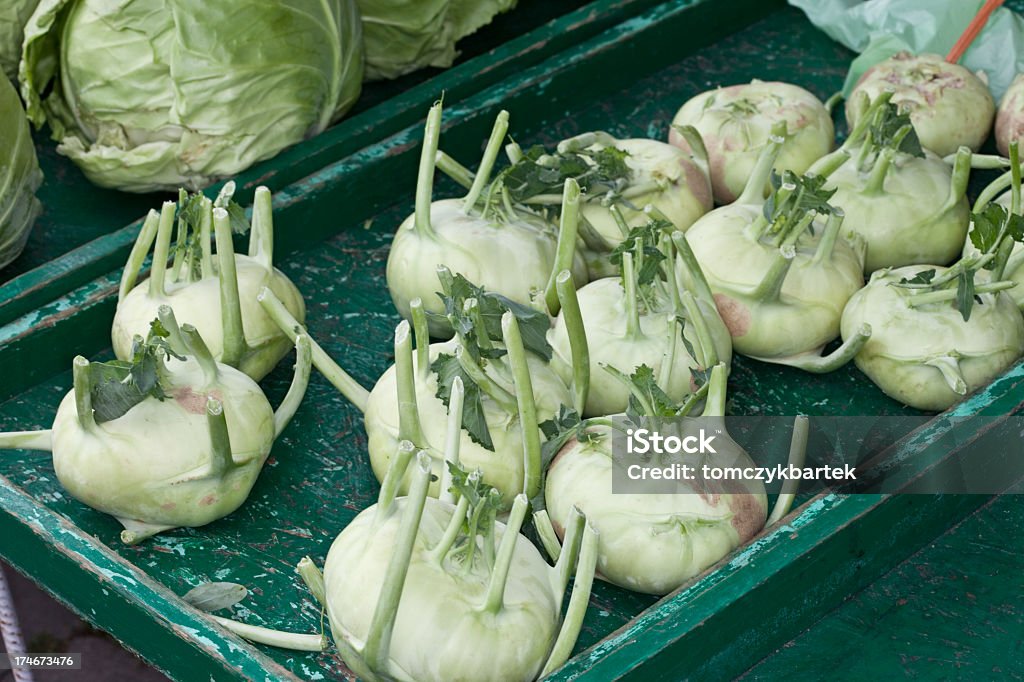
(210, 597)
(562, 428)
(118, 386)
(596, 171)
(484, 505)
(986, 227)
(886, 130)
(965, 293)
(642, 242)
(922, 277)
(809, 195)
(474, 420)
(701, 375)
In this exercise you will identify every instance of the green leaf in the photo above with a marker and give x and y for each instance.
(560, 429)
(965, 293)
(643, 380)
(809, 196)
(986, 227)
(597, 171)
(888, 124)
(474, 421)
(922, 277)
(643, 239)
(210, 597)
(484, 505)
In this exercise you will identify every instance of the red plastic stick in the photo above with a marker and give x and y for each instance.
(972, 30)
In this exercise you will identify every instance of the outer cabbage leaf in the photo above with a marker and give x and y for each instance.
(402, 36)
(20, 176)
(14, 15)
(156, 94)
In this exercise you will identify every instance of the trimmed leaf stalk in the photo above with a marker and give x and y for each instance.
(527, 407)
(425, 179)
(797, 456)
(483, 174)
(570, 310)
(568, 230)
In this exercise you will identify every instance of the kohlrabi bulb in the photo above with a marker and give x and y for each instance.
(214, 293)
(1010, 116)
(926, 355)
(736, 122)
(949, 106)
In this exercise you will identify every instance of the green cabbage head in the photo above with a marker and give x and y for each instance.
(14, 15)
(148, 95)
(403, 36)
(20, 176)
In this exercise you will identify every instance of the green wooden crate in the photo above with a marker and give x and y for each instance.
(81, 233)
(334, 228)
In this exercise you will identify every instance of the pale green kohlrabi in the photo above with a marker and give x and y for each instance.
(648, 315)
(779, 279)
(14, 14)
(736, 122)
(500, 356)
(502, 247)
(434, 590)
(1010, 116)
(402, 36)
(20, 176)
(215, 293)
(655, 540)
(170, 439)
(949, 106)
(908, 205)
(148, 95)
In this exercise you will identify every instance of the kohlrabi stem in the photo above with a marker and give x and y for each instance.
(717, 392)
(514, 152)
(579, 350)
(27, 440)
(453, 169)
(771, 285)
(700, 326)
(451, 532)
(960, 177)
(421, 335)
(483, 173)
(569, 552)
(140, 249)
(220, 441)
(393, 478)
(790, 236)
(546, 533)
(206, 237)
(629, 285)
(314, 579)
(199, 350)
(567, 233)
(163, 243)
(261, 241)
(174, 339)
(646, 407)
(915, 300)
(471, 307)
(753, 191)
(982, 161)
(578, 603)
(698, 149)
(526, 403)
(669, 363)
(83, 393)
(409, 427)
(1002, 257)
(1014, 178)
(949, 366)
(499, 395)
(338, 377)
(378, 639)
(697, 283)
(495, 599)
(993, 189)
(797, 455)
(180, 238)
(278, 638)
(866, 120)
(453, 437)
(832, 101)
(230, 304)
(297, 390)
(425, 179)
(830, 163)
(823, 364)
(827, 244)
(875, 184)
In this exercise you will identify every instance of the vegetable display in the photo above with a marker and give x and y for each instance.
(736, 123)
(949, 106)
(216, 293)
(14, 14)
(20, 176)
(434, 590)
(170, 438)
(143, 96)
(906, 204)
(779, 280)
(483, 236)
(401, 37)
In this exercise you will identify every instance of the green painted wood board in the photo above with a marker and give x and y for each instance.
(318, 478)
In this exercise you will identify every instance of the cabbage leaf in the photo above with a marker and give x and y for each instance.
(20, 176)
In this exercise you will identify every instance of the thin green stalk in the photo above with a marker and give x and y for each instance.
(942, 295)
(206, 238)
(83, 393)
(527, 405)
(569, 552)
(453, 437)
(421, 334)
(949, 366)
(698, 283)
(578, 602)
(300, 382)
(495, 599)
(279, 638)
(220, 441)
(393, 478)
(140, 248)
(230, 305)
(771, 285)
(1002, 257)
(166, 316)
(982, 161)
(314, 579)
(829, 164)
(753, 191)
(831, 102)
(575, 329)
(261, 241)
(629, 285)
(698, 150)
(201, 352)
(27, 440)
(704, 337)
(378, 639)
(717, 390)
(454, 170)
(546, 532)
(505, 400)
(566, 248)
(425, 179)
(1014, 178)
(797, 456)
(646, 407)
(875, 184)
(960, 177)
(451, 532)
(755, 230)
(828, 238)
(163, 243)
(409, 427)
(669, 364)
(338, 377)
(793, 234)
(180, 240)
(483, 173)
(866, 120)
(514, 152)
(817, 364)
(471, 308)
